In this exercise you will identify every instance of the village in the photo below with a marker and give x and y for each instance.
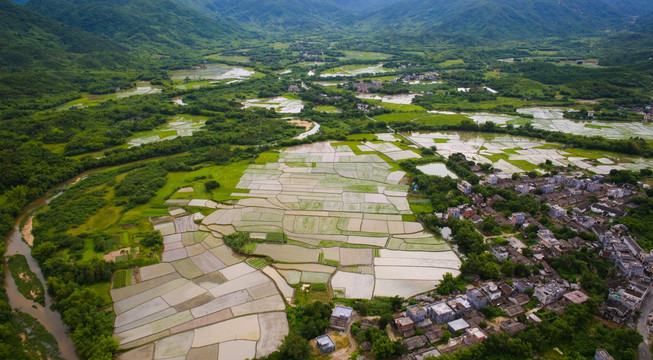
(432, 324)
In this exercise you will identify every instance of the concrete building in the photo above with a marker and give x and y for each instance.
(465, 187)
(548, 293)
(325, 344)
(576, 297)
(476, 298)
(440, 313)
(457, 325)
(602, 354)
(517, 219)
(500, 253)
(404, 324)
(557, 211)
(416, 313)
(474, 335)
(340, 317)
(547, 189)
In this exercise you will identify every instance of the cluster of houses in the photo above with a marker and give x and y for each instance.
(573, 203)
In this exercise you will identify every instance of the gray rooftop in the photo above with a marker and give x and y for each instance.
(342, 311)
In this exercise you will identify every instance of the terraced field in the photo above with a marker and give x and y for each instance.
(341, 207)
(338, 209)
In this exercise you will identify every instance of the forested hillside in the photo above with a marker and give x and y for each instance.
(158, 27)
(501, 19)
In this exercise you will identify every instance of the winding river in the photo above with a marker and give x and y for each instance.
(48, 318)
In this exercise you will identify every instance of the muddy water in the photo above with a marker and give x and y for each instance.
(48, 318)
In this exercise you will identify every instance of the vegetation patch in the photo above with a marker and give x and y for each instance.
(26, 281)
(257, 262)
(122, 278)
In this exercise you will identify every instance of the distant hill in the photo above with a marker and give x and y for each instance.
(631, 7)
(158, 26)
(277, 15)
(32, 41)
(497, 19)
(361, 7)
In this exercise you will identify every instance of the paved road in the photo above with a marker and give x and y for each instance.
(644, 351)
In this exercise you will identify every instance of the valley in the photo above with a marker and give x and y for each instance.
(223, 178)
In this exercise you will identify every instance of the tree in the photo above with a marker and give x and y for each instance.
(383, 348)
(211, 184)
(44, 251)
(295, 347)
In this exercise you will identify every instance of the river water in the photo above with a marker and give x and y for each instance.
(48, 318)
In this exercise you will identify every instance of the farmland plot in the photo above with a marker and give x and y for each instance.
(338, 206)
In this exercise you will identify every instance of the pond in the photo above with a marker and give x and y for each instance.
(212, 72)
(437, 169)
(181, 125)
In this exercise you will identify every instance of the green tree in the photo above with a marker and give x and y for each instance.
(383, 348)
(295, 347)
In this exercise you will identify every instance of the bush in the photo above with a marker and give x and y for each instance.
(211, 184)
(152, 239)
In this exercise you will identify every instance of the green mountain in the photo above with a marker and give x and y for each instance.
(497, 19)
(31, 41)
(362, 7)
(273, 16)
(631, 7)
(156, 26)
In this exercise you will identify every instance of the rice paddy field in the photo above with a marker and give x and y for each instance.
(353, 70)
(212, 72)
(514, 154)
(87, 99)
(552, 119)
(338, 204)
(180, 125)
(280, 104)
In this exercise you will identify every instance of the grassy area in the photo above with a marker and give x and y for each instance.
(104, 290)
(327, 108)
(422, 118)
(362, 137)
(257, 262)
(167, 133)
(26, 281)
(37, 341)
(267, 157)
(311, 295)
(122, 278)
(419, 206)
(449, 63)
(396, 107)
(363, 55)
(592, 126)
(228, 58)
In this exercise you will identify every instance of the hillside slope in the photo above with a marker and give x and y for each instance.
(274, 16)
(497, 19)
(157, 26)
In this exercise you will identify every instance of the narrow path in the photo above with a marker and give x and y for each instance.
(644, 352)
(343, 354)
